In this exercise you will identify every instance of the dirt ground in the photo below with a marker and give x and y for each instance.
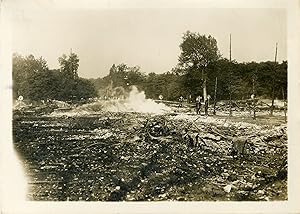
(129, 156)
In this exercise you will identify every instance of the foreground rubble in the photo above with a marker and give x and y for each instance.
(143, 157)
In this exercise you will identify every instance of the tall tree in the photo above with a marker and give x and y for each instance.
(197, 52)
(222, 69)
(25, 70)
(125, 76)
(34, 81)
(69, 65)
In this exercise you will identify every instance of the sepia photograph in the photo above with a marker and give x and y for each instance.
(148, 104)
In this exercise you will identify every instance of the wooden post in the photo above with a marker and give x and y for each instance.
(215, 96)
(273, 83)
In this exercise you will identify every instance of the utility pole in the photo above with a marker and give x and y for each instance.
(230, 47)
(276, 52)
(230, 79)
(273, 82)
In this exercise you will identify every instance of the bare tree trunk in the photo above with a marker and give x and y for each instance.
(204, 84)
(204, 89)
(215, 96)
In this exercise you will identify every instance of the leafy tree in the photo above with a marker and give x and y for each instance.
(83, 89)
(25, 69)
(125, 76)
(69, 65)
(245, 77)
(154, 86)
(34, 81)
(167, 84)
(281, 79)
(220, 69)
(197, 53)
(244, 80)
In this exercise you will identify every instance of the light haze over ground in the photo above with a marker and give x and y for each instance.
(149, 38)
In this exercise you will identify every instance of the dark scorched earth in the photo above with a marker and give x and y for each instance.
(142, 157)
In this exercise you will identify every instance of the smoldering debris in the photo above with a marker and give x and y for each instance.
(134, 101)
(131, 156)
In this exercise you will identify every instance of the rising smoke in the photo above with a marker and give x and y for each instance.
(137, 102)
(134, 101)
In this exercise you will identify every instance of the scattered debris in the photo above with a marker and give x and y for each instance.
(120, 156)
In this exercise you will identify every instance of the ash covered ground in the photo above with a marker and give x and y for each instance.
(91, 153)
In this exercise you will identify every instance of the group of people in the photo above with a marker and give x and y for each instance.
(198, 104)
(199, 100)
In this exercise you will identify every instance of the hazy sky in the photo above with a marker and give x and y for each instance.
(149, 38)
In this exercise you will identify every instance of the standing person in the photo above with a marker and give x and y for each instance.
(180, 100)
(198, 104)
(189, 99)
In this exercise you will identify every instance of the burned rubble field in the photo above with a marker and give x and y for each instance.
(142, 157)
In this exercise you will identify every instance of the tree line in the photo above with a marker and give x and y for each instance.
(245, 79)
(201, 70)
(33, 80)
